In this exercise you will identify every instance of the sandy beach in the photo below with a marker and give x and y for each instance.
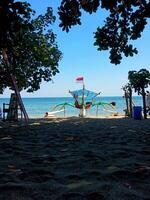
(75, 159)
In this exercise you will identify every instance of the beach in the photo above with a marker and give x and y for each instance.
(75, 159)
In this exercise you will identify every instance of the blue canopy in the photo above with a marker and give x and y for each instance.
(87, 94)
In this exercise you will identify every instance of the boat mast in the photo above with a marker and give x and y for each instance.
(83, 110)
(83, 95)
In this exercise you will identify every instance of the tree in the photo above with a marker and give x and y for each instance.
(140, 80)
(126, 21)
(28, 51)
(32, 52)
(14, 18)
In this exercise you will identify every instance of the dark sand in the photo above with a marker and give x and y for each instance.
(75, 159)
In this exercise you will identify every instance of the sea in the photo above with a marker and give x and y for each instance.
(37, 107)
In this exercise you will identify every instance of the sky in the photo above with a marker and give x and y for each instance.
(81, 58)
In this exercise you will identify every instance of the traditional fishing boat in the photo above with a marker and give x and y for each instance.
(83, 100)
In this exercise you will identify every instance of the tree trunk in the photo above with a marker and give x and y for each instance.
(127, 104)
(14, 84)
(144, 103)
(130, 101)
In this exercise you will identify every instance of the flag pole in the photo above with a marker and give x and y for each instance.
(82, 109)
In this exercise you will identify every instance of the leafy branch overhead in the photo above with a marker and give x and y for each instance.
(31, 48)
(126, 21)
(14, 17)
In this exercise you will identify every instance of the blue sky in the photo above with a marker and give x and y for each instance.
(81, 58)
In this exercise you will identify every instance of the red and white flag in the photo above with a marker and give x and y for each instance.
(79, 79)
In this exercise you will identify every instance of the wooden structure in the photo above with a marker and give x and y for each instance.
(15, 107)
(12, 111)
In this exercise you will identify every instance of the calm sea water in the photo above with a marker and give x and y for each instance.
(36, 107)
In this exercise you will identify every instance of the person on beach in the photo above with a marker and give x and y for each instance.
(46, 115)
(148, 102)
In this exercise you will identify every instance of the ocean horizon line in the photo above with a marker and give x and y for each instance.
(65, 97)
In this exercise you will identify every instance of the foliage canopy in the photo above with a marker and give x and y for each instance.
(30, 46)
(126, 21)
(139, 80)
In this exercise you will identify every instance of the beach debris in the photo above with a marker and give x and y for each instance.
(15, 125)
(17, 171)
(64, 150)
(71, 138)
(78, 184)
(6, 138)
(130, 130)
(113, 168)
(11, 166)
(128, 185)
(113, 127)
(13, 169)
(142, 169)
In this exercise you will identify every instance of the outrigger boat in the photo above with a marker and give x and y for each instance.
(83, 100)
